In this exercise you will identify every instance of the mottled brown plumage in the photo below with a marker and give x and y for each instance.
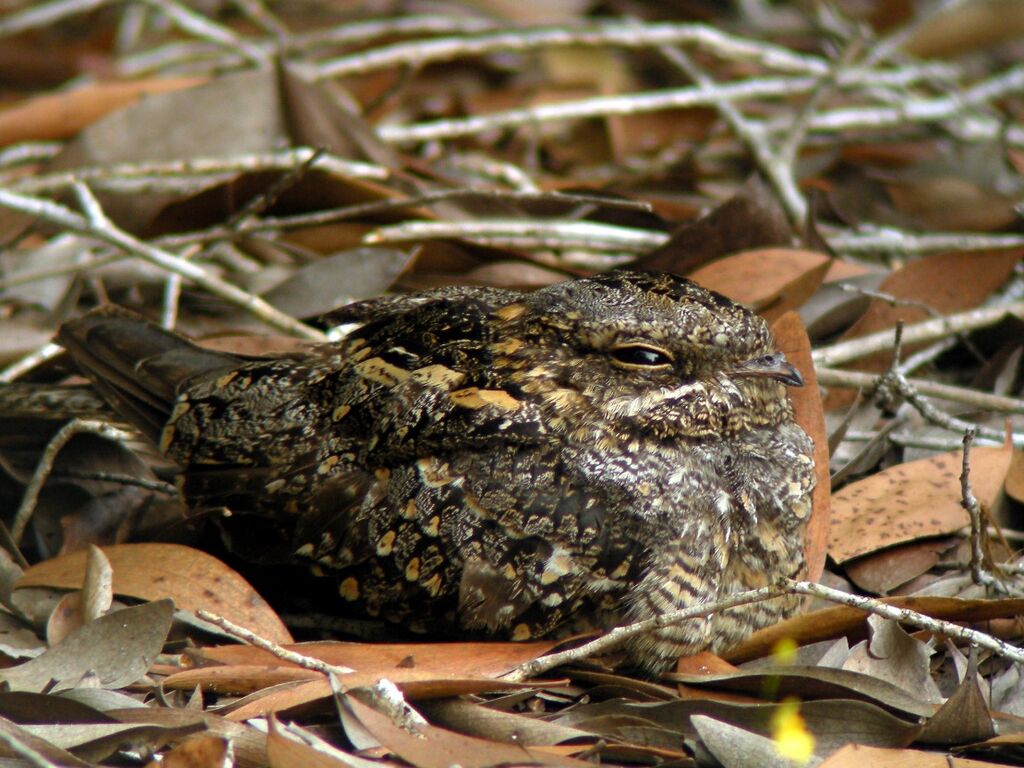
(597, 452)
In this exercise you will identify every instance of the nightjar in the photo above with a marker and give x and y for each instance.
(593, 453)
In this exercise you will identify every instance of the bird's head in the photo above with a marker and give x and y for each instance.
(643, 354)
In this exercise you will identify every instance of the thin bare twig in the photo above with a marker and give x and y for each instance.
(29, 361)
(45, 465)
(418, 53)
(898, 382)
(201, 168)
(835, 377)
(158, 486)
(616, 637)
(934, 110)
(524, 233)
(753, 135)
(44, 14)
(248, 636)
(970, 503)
(96, 224)
(869, 240)
(908, 616)
(928, 330)
(200, 26)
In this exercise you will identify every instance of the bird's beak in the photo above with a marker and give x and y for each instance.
(774, 366)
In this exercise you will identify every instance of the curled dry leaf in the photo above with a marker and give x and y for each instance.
(834, 714)
(910, 501)
(92, 601)
(193, 579)
(893, 655)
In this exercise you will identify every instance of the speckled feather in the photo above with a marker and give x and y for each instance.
(500, 462)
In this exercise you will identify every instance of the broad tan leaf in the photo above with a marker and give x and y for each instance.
(772, 281)
(912, 500)
(859, 756)
(199, 751)
(193, 579)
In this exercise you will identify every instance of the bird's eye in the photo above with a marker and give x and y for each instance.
(641, 356)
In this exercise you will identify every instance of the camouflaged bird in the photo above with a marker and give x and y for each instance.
(597, 452)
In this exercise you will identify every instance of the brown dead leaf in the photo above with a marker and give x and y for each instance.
(953, 203)
(947, 282)
(415, 686)
(891, 654)
(825, 684)
(248, 743)
(964, 717)
(433, 747)
(322, 114)
(733, 747)
(910, 501)
(770, 281)
(840, 269)
(65, 617)
(48, 753)
(1015, 477)
(421, 670)
(883, 571)
(645, 132)
(61, 115)
(792, 341)
(966, 26)
(471, 659)
(842, 620)
(333, 281)
(199, 751)
(193, 579)
(290, 746)
(703, 663)
(752, 218)
(859, 756)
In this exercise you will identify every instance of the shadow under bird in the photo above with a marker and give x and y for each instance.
(597, 452)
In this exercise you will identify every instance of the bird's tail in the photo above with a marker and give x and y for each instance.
(136, 365)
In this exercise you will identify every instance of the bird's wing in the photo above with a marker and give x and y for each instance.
(136, 365)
